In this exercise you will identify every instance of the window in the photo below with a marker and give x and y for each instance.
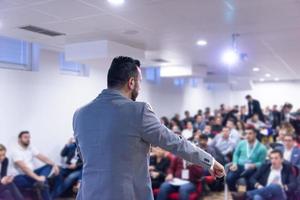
(72, 68)
(18, 54)
(152, 74)
(179, 82)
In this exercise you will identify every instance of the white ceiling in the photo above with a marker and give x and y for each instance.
(269, 29)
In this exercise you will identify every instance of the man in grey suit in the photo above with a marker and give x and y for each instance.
(114, 134)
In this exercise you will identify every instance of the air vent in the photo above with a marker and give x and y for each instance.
(211, 73)
(160, 60)
(40, 30)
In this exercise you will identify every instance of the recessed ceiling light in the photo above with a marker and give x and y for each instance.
(256, 69)
(116, 2)
(1, 24)
(261, 79)
(276, 79)
(268, 75)
(202, 42)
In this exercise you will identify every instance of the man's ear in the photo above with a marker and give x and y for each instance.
(131, 83)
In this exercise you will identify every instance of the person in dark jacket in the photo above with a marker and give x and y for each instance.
(273, 180)
(254, 108)
(72, 169)
(159, 165)
(8, 190)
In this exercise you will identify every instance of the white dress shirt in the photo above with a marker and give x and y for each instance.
(275, 176)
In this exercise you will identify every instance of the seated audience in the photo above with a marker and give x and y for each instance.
(28, 176)
(243, 114)
(187, 118)
(234, 134)
(290, 150)
(165, 121)
(281, 133)
(180, 171)
(247, 157)
(273, 180)
(71, 170)
(8, 190)
(199, 123)
(255, 121)
(216, 126)
(203, 144)
(159, 165)
(240, 127)
(224, 143)
(188, 132)
(207, 131)
(195, 138)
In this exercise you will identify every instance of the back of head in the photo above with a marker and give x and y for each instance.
(121, 70)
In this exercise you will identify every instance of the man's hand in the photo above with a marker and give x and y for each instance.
(233, 167)
(154, 174)
(41, 179)
(169, 177)
(56, 170)
(217, 170)
(72, 166)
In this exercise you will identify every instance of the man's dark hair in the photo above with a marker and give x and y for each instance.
(251, 128)
(121, 70)
(248, 96)
(22, 133)
(203, 137)
(277, 151)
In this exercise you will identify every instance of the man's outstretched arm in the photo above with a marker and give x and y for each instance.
(158, 135)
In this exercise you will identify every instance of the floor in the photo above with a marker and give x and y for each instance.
(211, 196)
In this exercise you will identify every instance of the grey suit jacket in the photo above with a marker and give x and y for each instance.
(114, 134)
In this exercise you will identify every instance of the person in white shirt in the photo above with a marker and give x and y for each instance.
(28, 176)
(234, 134)
(272, 180)
(188, 132)
(223, 142)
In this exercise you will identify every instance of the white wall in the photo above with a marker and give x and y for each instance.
(43, 102)
(268, 94)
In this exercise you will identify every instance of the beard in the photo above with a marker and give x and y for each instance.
(134, 94)
(25, 144)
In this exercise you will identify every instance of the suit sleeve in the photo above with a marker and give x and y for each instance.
(153, 132)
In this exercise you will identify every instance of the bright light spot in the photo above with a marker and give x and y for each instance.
(276, 79)
(261, 79)
(268, 75)
(116, 2)
(202, 42)
(230, 57)
(256, 69)
(1, 25)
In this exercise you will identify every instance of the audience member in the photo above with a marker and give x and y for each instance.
(28, 176)
(158, 167)
(216, 127)
(199, 123)
(71, 170)
(182, 177)
(215, 152)
(290, 150)
(188, 132)
(234, 134)
(224, 143)
(254, 108)
(247, 157)
(8, 190)
(273, 180)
